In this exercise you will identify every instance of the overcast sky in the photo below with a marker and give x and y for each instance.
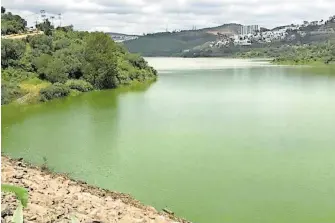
(144, 16)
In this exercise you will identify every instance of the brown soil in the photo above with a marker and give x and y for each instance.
(57, 198)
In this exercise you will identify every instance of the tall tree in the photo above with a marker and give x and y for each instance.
(101, 67)
(11, 52)
(46, 27)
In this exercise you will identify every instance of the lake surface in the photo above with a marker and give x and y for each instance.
(214, 140)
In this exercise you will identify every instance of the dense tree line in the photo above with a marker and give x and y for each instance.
(296, 54)
(69, 60)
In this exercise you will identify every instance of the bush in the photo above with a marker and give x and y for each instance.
(11, 52)
(56, 71)
(56, 90)
(16, 75)
(137, 61)
(79, 85)
(9, 92)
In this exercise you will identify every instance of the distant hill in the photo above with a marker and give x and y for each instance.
(227, 29)
(119, 34)
(227, 40)
(173, 43)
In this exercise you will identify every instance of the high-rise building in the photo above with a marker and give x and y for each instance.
(251, 29)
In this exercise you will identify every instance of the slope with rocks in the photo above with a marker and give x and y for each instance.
(57, 198)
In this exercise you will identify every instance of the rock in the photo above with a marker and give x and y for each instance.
(168, 211)
(21, 164)
(139, 221)
(150, 208)
(94, 212)
(5, 211)
(160, 219)
(18, 176)
(55, 198)
(126, 219)
(32, 218)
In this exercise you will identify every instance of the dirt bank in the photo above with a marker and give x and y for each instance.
(56, 198)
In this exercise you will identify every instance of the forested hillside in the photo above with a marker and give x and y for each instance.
(62, 62)
(167, 44)
(174, 43)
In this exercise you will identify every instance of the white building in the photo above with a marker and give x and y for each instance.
(251, 29)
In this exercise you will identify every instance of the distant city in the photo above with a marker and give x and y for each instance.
(253, 34)
(247, 34)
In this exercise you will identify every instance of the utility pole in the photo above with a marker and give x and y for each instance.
(52, 20)
(60, 19)
(36, 21)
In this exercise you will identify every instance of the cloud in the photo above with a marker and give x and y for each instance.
(144, 16)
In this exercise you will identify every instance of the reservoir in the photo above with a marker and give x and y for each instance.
(214, 140)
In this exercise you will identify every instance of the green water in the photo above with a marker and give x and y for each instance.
(223, 141)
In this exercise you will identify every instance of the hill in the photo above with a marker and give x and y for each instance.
(228, 39)
(174, 43)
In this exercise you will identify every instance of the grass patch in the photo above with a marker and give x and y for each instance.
(32, 87)
(74, 92)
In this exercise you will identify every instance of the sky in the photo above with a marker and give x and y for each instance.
(148, 16)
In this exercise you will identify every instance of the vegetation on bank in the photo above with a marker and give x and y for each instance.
(60, 61)
(314, 54)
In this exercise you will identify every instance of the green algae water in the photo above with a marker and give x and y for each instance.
(214, 140)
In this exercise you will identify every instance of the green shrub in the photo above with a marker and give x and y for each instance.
(56, 71)
(21, 195)
(56, 90)
(17, 75)
(11, 52)
(79, 85)
(10, 91)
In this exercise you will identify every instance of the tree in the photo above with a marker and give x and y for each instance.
(66, 28)
(12, 24)
(3, 10)
(46, 27)
(73, 60)
(11, 52)
(56, 71)
(41, 63)
(40, 44)
(101, 62)
(137, 61)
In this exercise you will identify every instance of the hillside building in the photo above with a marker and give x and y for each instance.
(251, 29)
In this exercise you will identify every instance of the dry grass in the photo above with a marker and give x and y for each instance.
(32, 87)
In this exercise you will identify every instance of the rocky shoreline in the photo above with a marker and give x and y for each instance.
(57, 198)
